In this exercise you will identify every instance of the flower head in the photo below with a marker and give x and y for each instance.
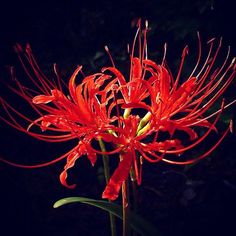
(78, 114)
(131, 114)
(171, 108)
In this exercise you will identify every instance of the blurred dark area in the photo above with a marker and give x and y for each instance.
(194, 200)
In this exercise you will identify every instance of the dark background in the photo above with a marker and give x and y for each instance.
(179, 201)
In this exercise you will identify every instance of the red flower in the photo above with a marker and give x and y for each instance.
(170, 107)
(79, 115)
(141, 116)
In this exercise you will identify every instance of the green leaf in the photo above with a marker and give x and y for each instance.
(139, 224)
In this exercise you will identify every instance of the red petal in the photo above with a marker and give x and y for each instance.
(120, 175)
(71, 159)
(72, 87)
(180, 97)
(164, 84)
(70, 163)
(42, 99)
(92, 156)
(63, 177)
(137, 69)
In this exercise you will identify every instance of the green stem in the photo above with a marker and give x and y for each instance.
(105, 161)
(125, 208)
(135, 195)
(135, 206)
(134, 189)
(107, 177)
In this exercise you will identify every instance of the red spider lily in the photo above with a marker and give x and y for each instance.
(80, 115)
(104, 106)
(172, 107)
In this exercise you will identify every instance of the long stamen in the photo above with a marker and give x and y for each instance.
(207, 153)
(181, 150)
(199, 54)
(39, 165)
(109, 54)
(117, 107)
(184, 54)
(164, 54)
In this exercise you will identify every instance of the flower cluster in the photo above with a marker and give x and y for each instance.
(139, 118)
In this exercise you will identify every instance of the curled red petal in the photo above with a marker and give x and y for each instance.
(120, 175)
(71, 159)
(63, 177)
(70, 163)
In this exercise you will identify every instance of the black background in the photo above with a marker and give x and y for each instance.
(200, 200)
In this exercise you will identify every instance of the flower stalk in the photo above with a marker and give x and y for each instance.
(107, 177)
(125, 208)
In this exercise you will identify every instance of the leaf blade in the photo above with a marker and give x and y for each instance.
(139, 224)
